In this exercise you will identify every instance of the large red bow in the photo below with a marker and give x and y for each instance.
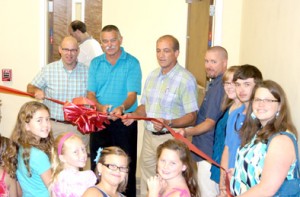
(82, 112)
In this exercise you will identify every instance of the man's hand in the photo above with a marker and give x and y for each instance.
(126, 121)
(181, 131)
(118, 111)
(157, 125)
(103, 108)
(39, 94)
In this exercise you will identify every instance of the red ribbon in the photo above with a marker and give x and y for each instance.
(191, 146)
(82, 112)
(7, 90)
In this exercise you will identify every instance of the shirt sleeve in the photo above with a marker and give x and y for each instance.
(39, 80)
(39, 161)
(134, 79)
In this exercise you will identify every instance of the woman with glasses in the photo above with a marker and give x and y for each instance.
(230, 103)
(112, 171)
(267, 155)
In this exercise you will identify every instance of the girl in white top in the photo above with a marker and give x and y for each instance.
(68, 157)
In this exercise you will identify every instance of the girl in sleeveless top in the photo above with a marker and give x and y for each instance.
(176, 172)
(112, 168)
(8, 184)
(260, 170)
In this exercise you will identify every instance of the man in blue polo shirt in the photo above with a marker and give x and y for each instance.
(113, 84)
(209, 113)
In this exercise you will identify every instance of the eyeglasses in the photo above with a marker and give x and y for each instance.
(258, 100)
(115, 167)
(226, 83)
(66, 50)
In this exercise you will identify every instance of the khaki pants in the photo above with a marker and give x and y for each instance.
(58, 128)
(207, 187)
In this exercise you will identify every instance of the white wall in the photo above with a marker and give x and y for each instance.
(270, 39)
(20, 50)
(266, 34)
(142, 22)
(231, 29)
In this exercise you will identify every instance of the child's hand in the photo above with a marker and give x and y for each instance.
(230, 172)
(155, 184)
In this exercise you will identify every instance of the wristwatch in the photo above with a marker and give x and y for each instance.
(170, 124)
(123, 108)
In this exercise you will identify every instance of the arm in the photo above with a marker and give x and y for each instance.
(279, 158)
(201, 128)
(46, 177)
(92, 192)
(129, 101)
(140, 111)
(224, 164)
(13, 189)
(184, 121)
(92, 97)
(37, 92)
(19, 190)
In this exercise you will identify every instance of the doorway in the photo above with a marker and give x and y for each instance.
(199, 38)
(60, 16)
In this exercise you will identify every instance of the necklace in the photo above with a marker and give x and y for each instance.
(237, 126)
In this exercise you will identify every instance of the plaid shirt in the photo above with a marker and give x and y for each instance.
(169, 96)
(61, 84)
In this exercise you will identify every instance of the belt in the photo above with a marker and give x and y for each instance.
(160, 132)
(60, 121)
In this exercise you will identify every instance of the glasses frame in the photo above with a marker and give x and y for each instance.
(114, 167)
(265, 101)
(228, 84)
(66, 50)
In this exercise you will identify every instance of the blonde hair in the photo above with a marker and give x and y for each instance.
(227, 102)
(59, 143)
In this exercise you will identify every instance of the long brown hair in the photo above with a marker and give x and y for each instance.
(8, 160)
(281, 122)
(26, 139)
(185, 157)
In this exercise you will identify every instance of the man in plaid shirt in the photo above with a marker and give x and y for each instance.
(63, 80)
(170, 95)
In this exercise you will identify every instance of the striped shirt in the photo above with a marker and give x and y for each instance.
(61, 84)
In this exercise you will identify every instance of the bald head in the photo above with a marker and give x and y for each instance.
(69, 51)
(69, 39)
(220, 50)
(215, 61)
